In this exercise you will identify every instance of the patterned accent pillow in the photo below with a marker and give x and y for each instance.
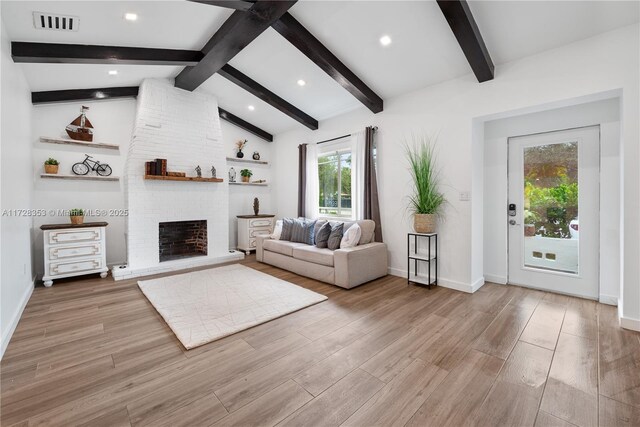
(287, 228)
(336, 236)
(322, 237)
(302, 231)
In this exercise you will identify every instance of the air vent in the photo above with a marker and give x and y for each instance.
(48, 21)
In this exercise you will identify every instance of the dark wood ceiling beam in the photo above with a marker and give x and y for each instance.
(232, 74)
(70, 95)
(306, 43)
(229, 4)
(233, 119)
(464, 27)
(57, 53)
(240, 29)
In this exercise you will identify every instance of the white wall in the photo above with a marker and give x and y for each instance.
(605, 113)
(600, 64)
(241, 198)
(113, 123)
(16, 273)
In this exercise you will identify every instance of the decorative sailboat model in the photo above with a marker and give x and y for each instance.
(81, 128)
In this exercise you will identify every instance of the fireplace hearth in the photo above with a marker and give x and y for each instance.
(182, 239)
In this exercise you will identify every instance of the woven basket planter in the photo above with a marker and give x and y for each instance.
(77, 219)
(52, 169)
(424, 223)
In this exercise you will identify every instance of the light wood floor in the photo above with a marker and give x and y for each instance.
(95, 352)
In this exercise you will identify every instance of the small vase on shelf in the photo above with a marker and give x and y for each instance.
(239, 154)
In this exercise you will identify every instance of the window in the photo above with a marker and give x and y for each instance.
(334, 173)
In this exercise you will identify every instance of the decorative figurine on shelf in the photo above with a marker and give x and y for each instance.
(232, 175)
(213, 171)
(83, 167)
(199, 171)
(256, 206)
(240, 144)
(80, 128)
(256, 155)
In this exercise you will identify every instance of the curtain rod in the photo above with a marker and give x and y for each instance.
(375, 128)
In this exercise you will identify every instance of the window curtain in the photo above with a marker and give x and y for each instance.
(308, 181)
(364, 180)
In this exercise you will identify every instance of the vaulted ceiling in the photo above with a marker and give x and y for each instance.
(423, 49)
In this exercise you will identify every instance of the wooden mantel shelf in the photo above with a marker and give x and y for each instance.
(182, 178)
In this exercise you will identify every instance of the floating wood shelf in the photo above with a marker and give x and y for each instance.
(257, 184)
(80, 177)
(74, 142)
(182, 178)
(255, 162)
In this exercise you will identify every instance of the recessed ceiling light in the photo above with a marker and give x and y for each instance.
(385, 40)
(131, 16)
(113, 72)
(251, 107)
(301, 82)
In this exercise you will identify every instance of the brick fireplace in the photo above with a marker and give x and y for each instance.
(184, 128)
(181, 239)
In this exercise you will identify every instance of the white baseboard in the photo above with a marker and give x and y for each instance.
(501, 280)
(608, 299)
(628, 323)
(6, 337)
(444, 282)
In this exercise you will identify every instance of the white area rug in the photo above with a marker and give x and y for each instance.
(207, 305)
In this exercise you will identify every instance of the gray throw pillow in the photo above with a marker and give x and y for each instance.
(287, 228)
(302, 231)
(336, 236)
(322, 237)
(319, 224)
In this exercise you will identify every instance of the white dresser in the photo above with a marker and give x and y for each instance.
(249, 226)
(74, 250)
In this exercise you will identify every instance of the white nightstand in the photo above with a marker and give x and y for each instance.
(250, 226)
(74, 250)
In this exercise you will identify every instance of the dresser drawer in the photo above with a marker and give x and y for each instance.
(252, 243)
(72, 236)
(59, 268)
(75, 251)
(259, 231)
(262, 222)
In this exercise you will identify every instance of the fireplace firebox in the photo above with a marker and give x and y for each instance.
(182, 239)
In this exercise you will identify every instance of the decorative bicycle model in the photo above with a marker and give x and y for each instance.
(83, 167)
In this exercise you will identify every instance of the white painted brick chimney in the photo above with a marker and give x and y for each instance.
(184, 128)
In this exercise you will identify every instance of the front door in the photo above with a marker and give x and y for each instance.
(553, 212)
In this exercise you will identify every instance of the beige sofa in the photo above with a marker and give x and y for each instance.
(346, 268)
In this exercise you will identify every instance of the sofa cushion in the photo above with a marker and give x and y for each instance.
(323, 235)
(314, 255)
(351, 237)
(302, 231)
(336, 235)
(280, 246)
(316, 229)
(287, 227)
(367, 228)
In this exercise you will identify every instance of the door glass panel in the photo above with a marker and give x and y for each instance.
(550, 217)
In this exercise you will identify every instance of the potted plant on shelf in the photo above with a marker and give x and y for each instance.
(427, 201)
(530, 219)
(51, 165)
(77, 216)
(240, 146)
(246, 175)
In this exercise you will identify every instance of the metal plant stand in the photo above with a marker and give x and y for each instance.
(428, 256)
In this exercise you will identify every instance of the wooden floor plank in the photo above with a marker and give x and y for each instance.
(337, 403)
(270, 408)
(461, 393)
(515, 397)
(502, 334)
(397, 401)
(544, 325)
(618, 414)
